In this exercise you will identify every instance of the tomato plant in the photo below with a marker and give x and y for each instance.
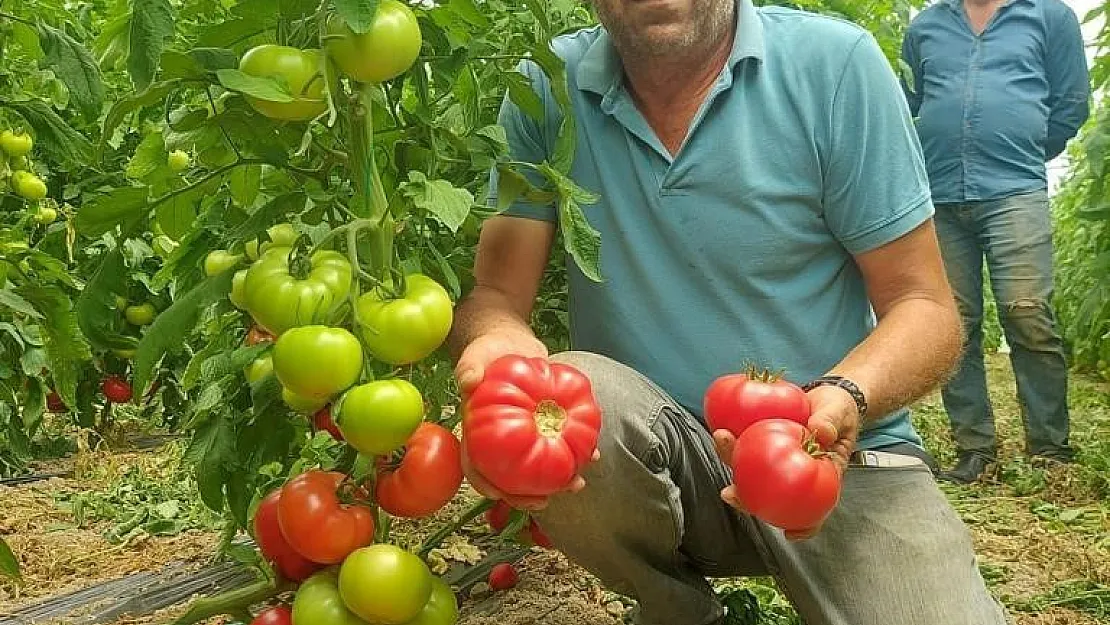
(317, 361)
(299, 72)
(385, 584)
(314, 521)
(407, 328)
(378, 417)
(116, 390)
(735, 401)
(782, 477)
(429, 474)
(530, 425)
(272, 543)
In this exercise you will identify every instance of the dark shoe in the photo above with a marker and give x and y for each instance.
(1052, 458)
(970, 466)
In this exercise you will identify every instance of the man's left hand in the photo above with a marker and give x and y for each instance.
(834, 419)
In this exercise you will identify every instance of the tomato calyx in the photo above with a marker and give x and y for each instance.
(550, 417)
(757, 374)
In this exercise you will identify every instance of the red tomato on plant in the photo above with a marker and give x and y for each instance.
(530, 425)
(503, 576)
(316, 524)
(277, 551)
(429, 475)
(735, 401)
(498, 518)
(782, 477)
(54, 402)
(116, 390)
(322, 421)
(276, 615)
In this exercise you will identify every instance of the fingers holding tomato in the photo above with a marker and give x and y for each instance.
(472, 363)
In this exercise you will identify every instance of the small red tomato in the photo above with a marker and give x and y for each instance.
(277, 615)
(735, 401)
(782, 477)
(54, 402)
(116, 390)
(258, 335)
(503, 576)
(498, 518)
(322, 421)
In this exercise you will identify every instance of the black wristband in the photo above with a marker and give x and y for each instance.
(844, 383)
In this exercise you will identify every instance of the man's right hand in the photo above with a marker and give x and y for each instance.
(469, 371)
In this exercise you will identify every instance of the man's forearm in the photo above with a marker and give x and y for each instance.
(483, 311)
(914, 347)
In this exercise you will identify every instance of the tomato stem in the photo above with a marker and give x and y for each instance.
(233, 602)
(549, 417)
(467, 516)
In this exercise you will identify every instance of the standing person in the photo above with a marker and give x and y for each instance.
(763, 198)
(999, 88)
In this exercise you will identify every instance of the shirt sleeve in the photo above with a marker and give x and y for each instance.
(1068, 80)
(876, 186)
(911, 58)
(527, 141)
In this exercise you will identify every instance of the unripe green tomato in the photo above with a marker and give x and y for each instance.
(45, 215)
(28, 186)
(281, 235)
(236, 294)
(140, 315)
(219, 261)
(15, 144)
(300, 404)
(178, 160)
(259, 369)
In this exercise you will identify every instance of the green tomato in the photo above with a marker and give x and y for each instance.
(385, 584)
(301, 72)
(318, 602)
(302, 405)
(15, 144)
(259, 369)
(378, 417)
(219, 261)
(126, 354)
(386, 51)
(178, 160)
(405, 330)
(28, 186)
(279, 301)
(140, 315)
(236, 296)
(281, 235)
(317, 361)
(442, 608)
(45, 215)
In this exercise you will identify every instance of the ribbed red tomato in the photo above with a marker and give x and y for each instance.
(267, 533)
(428, 477)
(317, 524)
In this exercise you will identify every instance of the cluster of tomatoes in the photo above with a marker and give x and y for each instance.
(17, 174)
(780, 473)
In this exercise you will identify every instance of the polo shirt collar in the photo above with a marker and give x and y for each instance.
(600, 69)
(959, 4)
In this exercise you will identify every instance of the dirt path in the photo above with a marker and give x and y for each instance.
(1042, 537)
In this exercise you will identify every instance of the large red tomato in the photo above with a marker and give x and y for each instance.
(530, 425)
(267, 533)
(782, 477)
(429, 475)
(735, 401)
(317, 524)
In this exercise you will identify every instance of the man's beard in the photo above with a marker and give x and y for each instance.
(708, 27)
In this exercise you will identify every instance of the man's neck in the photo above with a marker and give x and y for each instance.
(669, 93)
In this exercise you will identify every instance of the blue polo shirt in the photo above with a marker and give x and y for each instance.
(994, 107)
(739, 249)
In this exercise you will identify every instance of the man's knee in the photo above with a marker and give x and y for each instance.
(1030, 323)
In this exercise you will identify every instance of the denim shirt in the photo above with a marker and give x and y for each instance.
(993, 108)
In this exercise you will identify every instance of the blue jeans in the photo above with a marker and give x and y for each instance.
(1014, 234)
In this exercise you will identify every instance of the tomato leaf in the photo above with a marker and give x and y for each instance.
(467, 10)
(467, 91)
(59, 141)
(358, 14)
(280, 208)
(174, 324)
(524, 96)
(75, 66)
(263, 88)
(12, 300)
(581, 240)
(106, 211)
(210, 450)
(9, 565)
(65, 346)
(151, 24)
(231, 363)
(196, 64)
(97, 315)
(245, 183)
(447, 203)
(149, 155)
(155, 93)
